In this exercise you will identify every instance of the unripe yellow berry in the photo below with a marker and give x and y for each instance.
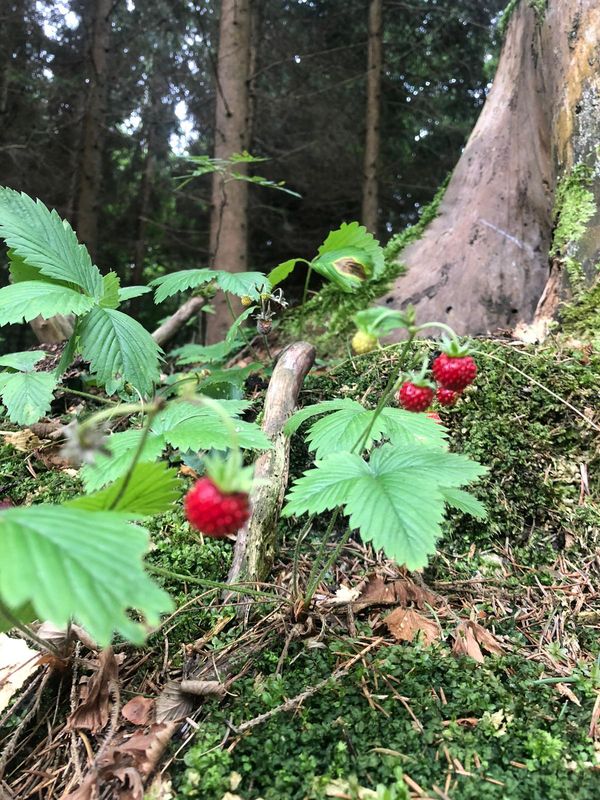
(363, 342)
(247, 301)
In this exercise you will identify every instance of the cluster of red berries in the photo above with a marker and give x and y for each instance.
(452, 374)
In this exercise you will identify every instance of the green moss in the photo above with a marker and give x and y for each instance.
(539, 6)
(36, 484)
(574, 206)
(337, 733)
(581, 317)
(326, 318)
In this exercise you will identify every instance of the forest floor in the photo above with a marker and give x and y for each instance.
(477, 678)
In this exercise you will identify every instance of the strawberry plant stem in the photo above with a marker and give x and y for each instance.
(235, 588)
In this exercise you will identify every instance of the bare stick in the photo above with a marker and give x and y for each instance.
(170, 326)
(255, 545)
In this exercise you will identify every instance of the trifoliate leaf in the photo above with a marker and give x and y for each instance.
(24, 361)
(75, 564)
(122, 446)
(168, 285)
(22, 302)
(46, 242)
(242, 284)
(403, 427)
(129, 292)
(294, 422)
(111, 284)
(396, 500)
(354, 236)
(119, 350)
(27, 395)
(151, 489)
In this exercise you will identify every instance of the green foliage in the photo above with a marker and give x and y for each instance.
(24, 301)
(581, 317)
(26, 394)
(205, 354)
(53, 274)
(206, 165)
(378, 321)
(150, 489)
(349, 256)
(396, 500)
(119, 350)
(45, 242)
(342, 429)
(182, 425)
(168, 285)
(72, 563)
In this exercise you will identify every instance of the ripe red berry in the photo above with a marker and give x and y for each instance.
(415, 398)
(454, 372)
(447, 397)
(213, 512)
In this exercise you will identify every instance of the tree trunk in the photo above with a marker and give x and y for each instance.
(94, 121)
(370, 199)
(228, 226)
(488, 257)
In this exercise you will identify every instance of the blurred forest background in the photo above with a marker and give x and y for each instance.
(102, 100)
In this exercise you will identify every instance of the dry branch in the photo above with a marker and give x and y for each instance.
(255, 544)
(169, 328)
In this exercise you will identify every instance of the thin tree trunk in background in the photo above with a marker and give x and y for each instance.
(148, 174)
(370, 193)
(94, 121)
(229, 225)
(484, 263)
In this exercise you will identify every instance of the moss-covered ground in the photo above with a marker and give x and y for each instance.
(414, 721)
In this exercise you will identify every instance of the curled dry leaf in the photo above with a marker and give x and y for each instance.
(470, 638)
(93, 713)
(139, 710)
(563, 689)
(404, 624)
(400, 592)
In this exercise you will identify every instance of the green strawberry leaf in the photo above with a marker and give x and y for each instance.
(151, 489)
(281, 271)
(111, 284)
(119, 350)
(396, 500)
(242, 284)
(24, 301)
(69, 563)
(181, 281)
(27, 395)
(42, 240)
(24, 361)
(121, 446)
(129, 292)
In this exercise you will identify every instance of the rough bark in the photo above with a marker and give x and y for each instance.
(228, 226)
(93, 126)
(484, 263)
(256, 543)
(370, 193)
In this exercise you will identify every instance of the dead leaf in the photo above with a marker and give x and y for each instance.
(467, 722)
(404, 624)
(345, 594)
(400, 592)
(139, 710)
(17, 663)
(470, 638)
(25, 441)
(563, 689)
(93, 713)
(188, 472)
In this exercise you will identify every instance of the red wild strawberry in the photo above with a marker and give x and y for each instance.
(454, 372)
(415, 398)
(447, 397)
(214, 512)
